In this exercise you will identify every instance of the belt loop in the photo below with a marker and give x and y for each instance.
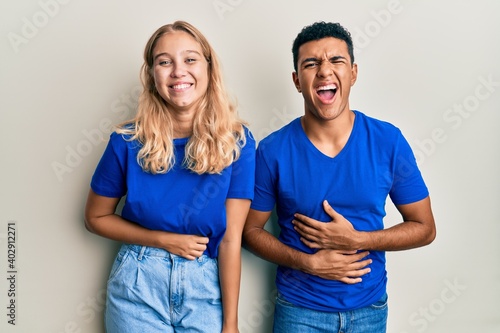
(141, 254)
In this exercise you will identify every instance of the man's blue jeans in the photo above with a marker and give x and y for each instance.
(289, 318)
(151, 290)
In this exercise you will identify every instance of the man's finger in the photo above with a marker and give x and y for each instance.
(329, 210)
(310, 244)
(303, 229)
(351, 280)
(303, 219)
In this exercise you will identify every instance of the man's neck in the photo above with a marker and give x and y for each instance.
(329, 136)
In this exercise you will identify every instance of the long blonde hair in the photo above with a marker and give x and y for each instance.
(218, 132)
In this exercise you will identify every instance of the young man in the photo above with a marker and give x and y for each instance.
(329, 173)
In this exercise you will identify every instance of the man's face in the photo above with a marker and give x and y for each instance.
(325, 76)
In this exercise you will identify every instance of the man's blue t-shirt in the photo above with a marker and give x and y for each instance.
(178, 201)
(294, 175)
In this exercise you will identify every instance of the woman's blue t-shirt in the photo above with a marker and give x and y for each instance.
(293, 175)
(178, 201)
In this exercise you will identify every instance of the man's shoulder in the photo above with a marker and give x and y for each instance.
(276, 138)
(376, 124)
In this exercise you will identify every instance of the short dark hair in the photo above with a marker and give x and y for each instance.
(318, 31)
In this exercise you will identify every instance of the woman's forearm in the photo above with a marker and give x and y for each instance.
(230, 276)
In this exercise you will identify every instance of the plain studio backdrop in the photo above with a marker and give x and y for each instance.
(69, 71)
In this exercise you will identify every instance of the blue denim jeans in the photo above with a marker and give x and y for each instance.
(289, 318)
(151, 290)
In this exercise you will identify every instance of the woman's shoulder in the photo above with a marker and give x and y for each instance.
(248, 134)
(123, 138)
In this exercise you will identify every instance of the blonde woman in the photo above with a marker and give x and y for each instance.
(185, 165)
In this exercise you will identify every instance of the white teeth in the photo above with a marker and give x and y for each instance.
(328, 87)
(181, 86)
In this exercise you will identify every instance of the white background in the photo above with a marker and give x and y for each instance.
(69, 69)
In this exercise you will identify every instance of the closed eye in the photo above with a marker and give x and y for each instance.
(338, 60)
(310, 65)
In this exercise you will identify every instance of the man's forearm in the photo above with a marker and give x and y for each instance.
(268, 247)
(418, 229)
(403, 236)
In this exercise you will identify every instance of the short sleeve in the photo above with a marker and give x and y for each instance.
(408, 184)
(265, 198)
(109, 178)
(243, 171)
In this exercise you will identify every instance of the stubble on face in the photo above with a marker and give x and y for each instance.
(325, 76)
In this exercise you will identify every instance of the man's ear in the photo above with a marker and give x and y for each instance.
(296, 82)
(354, 70)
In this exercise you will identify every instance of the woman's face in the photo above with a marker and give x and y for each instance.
(180, 71)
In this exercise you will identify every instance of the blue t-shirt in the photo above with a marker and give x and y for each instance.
(294, 175)
(180, 200)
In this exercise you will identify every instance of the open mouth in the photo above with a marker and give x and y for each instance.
(327, 93)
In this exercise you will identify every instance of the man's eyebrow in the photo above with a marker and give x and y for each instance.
(335, 58)
(313, 59)
(309, 60)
